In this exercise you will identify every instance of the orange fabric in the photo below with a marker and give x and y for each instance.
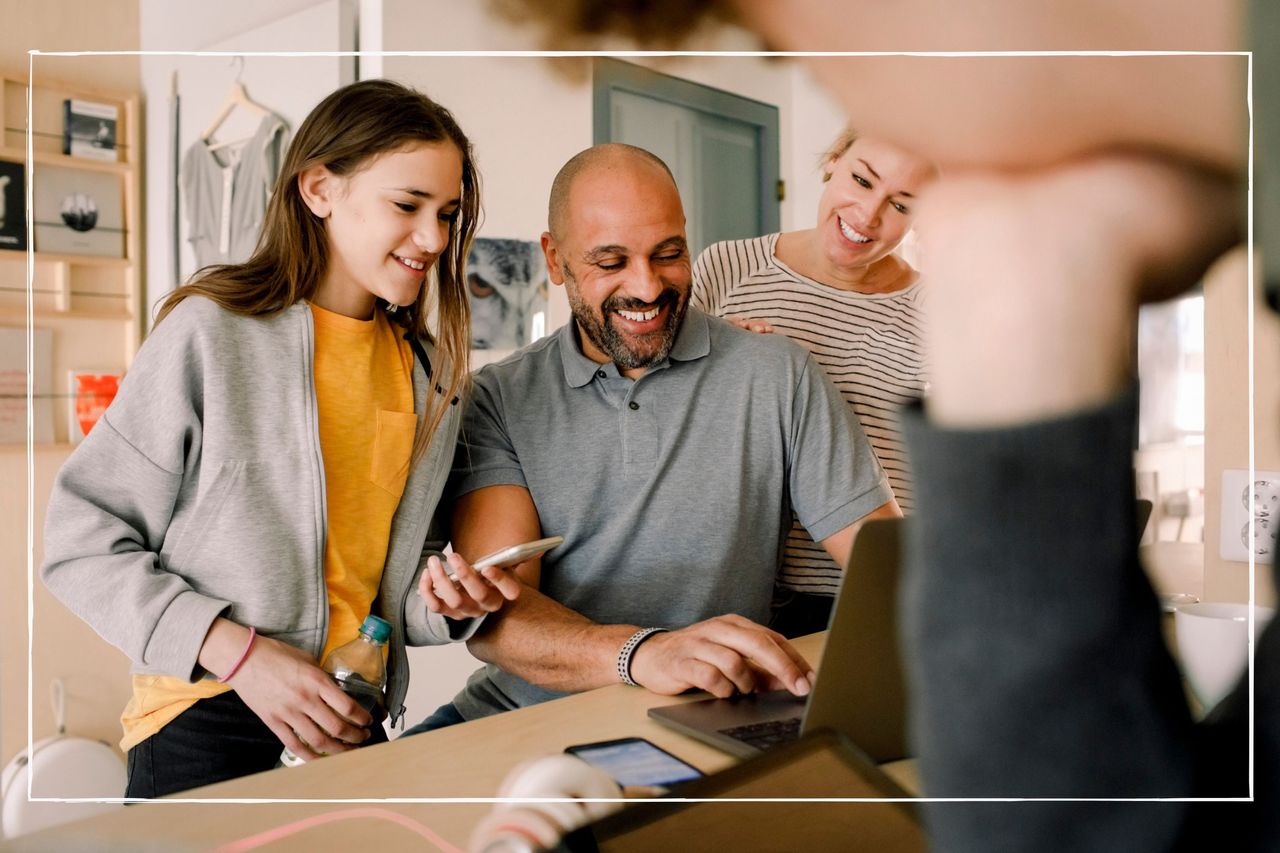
(364, 386)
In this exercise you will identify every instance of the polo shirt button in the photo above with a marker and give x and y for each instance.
(599, 374)
(634, 405)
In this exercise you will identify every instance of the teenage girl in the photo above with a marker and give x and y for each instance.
(270, 470)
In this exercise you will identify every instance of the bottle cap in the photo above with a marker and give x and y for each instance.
(379, 630)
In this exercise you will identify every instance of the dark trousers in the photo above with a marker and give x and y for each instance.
(797, 614)
(443, 717)
(214, 740)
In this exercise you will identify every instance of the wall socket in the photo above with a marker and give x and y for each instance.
(1243, 534)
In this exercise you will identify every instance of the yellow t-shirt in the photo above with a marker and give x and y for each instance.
(364, 391)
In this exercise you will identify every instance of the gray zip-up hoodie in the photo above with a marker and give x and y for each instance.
(200, 493)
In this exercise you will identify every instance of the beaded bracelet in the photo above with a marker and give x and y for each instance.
(235, 667)
(629, 649)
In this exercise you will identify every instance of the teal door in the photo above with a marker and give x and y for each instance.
(722, 148)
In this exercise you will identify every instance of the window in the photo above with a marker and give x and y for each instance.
(1171, 372)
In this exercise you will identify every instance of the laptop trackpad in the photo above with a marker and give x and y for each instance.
(712, 719)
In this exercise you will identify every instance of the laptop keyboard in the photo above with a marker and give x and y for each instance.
(766, 734)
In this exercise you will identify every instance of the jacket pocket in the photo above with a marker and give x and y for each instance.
(253, 539)
(392, 448)
(208, 507)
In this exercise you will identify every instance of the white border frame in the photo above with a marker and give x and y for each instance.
(32, 55)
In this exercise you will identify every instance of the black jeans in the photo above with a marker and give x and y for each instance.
(797, 614)
(214, 740)
(443, 717)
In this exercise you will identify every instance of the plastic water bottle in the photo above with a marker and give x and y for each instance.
(361, 671)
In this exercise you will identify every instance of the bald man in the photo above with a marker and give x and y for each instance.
(667, 447)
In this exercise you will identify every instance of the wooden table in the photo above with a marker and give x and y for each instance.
(462, 762)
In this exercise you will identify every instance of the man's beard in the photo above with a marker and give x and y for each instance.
(628, 351)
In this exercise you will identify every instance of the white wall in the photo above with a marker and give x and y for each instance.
(1227, 401)
(815, 121)
(289, 86)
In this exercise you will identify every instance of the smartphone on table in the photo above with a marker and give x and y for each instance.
(634, 762)
(515, 554)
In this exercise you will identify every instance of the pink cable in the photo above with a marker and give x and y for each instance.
(266, 837)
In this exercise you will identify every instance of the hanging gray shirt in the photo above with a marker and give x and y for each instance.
(673, 492)
(226, 192)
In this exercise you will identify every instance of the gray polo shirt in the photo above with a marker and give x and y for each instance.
(673, 492)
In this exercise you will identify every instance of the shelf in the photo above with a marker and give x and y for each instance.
(89, 307)
(73, 260)
(50, 159)
(19, 313)
(38, 447)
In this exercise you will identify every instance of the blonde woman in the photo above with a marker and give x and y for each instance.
(840, 290)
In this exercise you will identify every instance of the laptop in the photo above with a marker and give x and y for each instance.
(859, 690)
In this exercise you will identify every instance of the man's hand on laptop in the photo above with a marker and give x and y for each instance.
(723, 655)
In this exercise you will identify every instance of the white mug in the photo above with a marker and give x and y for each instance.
(1213, 644)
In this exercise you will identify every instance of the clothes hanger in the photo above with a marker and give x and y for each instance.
(237, 98)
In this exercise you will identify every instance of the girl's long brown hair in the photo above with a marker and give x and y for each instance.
(347, 129)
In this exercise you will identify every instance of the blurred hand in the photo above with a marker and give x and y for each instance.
(1053, 265)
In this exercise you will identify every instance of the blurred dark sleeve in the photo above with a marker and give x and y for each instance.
(1034, 651)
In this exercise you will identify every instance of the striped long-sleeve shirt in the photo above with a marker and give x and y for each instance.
(871, 345)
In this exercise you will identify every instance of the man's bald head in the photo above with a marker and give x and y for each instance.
(605, 156)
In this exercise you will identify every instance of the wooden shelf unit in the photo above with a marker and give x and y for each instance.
(73, 275)
(74, 260)
(47, 158)
(92, 303)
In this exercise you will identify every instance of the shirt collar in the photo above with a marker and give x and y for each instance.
(693, 341)
(694, 338)
(578, 369)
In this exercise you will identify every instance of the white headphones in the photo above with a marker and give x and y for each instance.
(532, 826)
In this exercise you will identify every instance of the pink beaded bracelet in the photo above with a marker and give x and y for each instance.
(253, 635)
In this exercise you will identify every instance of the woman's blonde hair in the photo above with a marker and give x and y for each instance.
(343, 133)
(836, 150)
